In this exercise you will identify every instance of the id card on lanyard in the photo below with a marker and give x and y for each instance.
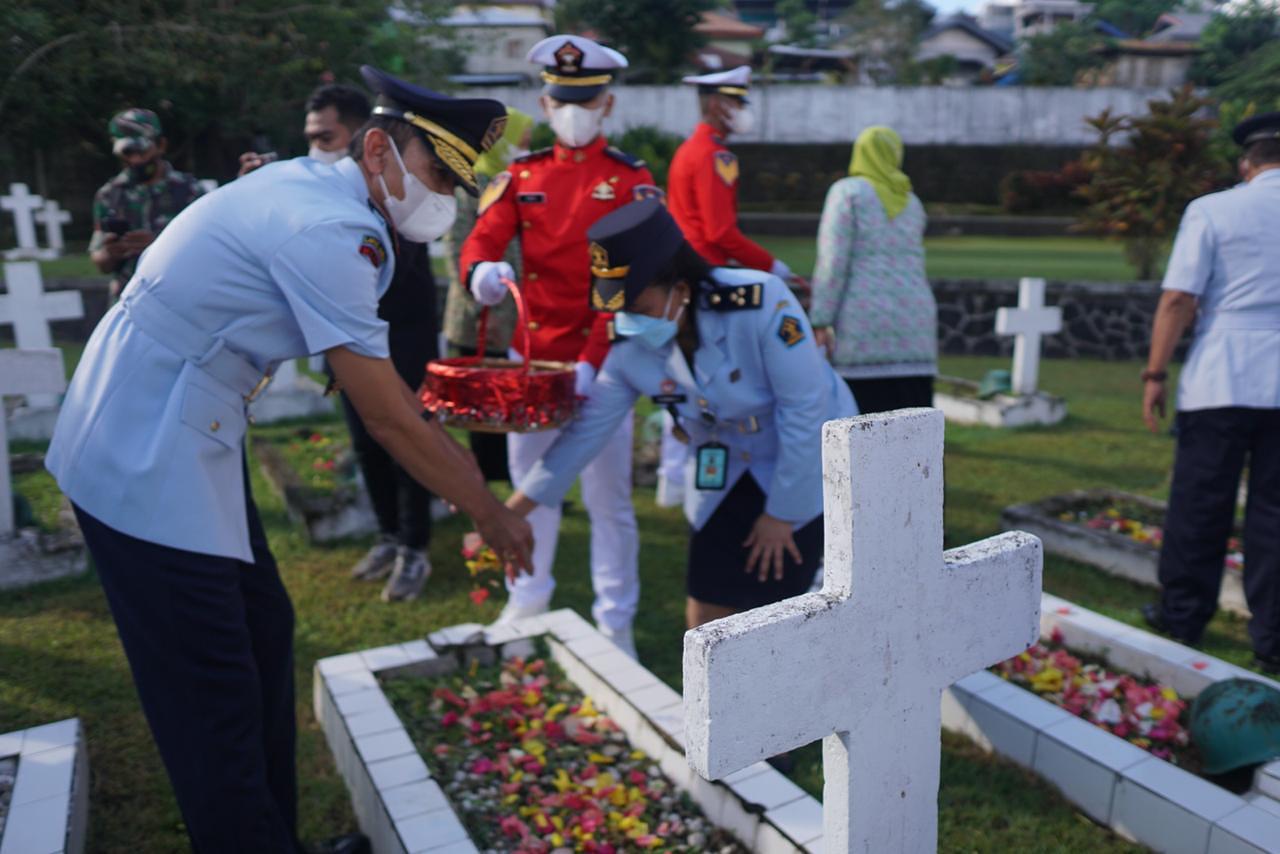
(712, 466)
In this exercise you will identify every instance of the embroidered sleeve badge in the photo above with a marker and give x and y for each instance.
(493, 192)
(727, 167)
(371, 247)
(791, 331)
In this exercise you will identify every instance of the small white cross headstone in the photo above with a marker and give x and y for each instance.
(1028, 322)
(23, 372)
(23, 206)
(29, 309)
(863, 664)
(53, 218)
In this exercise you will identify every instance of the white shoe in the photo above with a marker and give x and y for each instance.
(670, 491)
(512, 612)
(621, 639)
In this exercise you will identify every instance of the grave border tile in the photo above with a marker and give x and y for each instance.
(347, 688)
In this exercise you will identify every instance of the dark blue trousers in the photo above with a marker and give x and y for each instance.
(210, 643)
(1213, 448)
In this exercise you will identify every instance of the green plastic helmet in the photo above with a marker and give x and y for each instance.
(1234, 723)
(995, 382)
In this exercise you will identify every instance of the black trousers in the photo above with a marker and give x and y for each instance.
(1213, 446)
(490, 449)
(890, 393)
(210, 644)
(401, 504)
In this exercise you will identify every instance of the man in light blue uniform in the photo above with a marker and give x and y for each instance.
(1224, 275)
(286, 262)
(730, 354)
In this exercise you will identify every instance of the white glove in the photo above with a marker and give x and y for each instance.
(584, 377)
(780, 269)
(486, 281)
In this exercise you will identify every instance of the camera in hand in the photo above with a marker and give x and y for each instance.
(268, 157)
(116, 225)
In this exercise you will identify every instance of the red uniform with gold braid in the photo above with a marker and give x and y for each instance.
(702, 195)
(550, 198)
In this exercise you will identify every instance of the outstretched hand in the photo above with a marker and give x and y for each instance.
(511, 538)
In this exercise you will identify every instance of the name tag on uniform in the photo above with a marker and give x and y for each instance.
(531, 198)
(670, 399)
(713, 466)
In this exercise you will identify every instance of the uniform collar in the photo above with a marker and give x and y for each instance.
(565, 154)
(1272, 174)
(705, 130)
(354, 178)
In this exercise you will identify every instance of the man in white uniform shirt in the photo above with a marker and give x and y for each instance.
(1224, 274)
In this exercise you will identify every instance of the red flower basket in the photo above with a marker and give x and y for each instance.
(490, 395)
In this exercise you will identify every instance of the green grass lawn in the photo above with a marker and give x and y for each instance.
(59, 655)
(1078, 258)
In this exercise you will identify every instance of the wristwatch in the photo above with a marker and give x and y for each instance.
(1150, 376)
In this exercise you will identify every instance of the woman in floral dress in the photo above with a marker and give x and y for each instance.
(872, 307)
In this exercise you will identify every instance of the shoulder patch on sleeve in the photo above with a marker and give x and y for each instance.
(371, 248)
(727, 167)
(641, 192)
(622, 157)
(497, 187)
(791, 330)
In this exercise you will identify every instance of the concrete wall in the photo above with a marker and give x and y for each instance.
(937, 115)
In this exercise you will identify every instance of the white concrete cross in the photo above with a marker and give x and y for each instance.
(29, 309)
(22, 205)
(53, 218)
(863, 664)
(23, 372)
(1030, 320)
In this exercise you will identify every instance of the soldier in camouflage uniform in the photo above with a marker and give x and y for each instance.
(135, 206)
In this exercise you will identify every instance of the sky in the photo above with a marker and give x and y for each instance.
(946, 7)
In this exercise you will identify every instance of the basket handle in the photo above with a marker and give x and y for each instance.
(522, 324)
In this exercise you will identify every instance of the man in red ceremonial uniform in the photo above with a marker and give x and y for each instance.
(703, 199)
(703, 182)
(549, 198)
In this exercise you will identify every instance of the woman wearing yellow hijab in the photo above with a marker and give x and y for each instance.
(872, 306)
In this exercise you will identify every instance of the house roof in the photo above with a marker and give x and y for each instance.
(718, 25)
(1150, 47)
(1180, 26)
(970, 25)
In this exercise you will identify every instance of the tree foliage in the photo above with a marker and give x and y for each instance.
(884, 34)
(1230, 40)
(1058, 57)
(218, 73)
(1135, 17)
(656, 36)
(801, 24)
(1145, 170)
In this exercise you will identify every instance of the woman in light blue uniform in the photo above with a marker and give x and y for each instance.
(730, 354)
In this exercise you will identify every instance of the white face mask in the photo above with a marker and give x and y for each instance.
(741, 121)
(576, 126)
(326, 157)
(422, 215)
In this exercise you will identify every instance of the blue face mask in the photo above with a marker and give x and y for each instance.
(653, 332)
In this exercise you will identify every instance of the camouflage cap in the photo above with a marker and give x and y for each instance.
(134, 129)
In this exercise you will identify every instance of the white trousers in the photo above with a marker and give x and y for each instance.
(615, 539)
